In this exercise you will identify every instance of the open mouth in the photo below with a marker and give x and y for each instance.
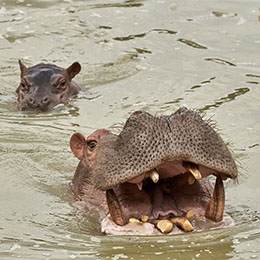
(171, 194)
(156, 171)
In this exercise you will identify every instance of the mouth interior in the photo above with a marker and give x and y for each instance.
(171, 193)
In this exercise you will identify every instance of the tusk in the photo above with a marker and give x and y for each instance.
(193, 169)
(182, 223)
(115, 208)
(140, 185)
(165, 226)
(215, 209)
(154, 175)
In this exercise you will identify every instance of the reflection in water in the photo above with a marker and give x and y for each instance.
(141, 35)
(200, 85)
(228, 98)
(125, 4)
(123, 67)
(224, 14)
(253, 76)
(192, 44)
(129, 37)
(220, 61)
(192, 246)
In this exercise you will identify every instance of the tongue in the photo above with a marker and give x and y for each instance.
(163, 204)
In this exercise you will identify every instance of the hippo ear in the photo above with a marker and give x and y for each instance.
(73, 70)
(23, 68)
(77, 143)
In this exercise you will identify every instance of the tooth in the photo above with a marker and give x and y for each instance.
(182, 223)
(154, 175)
(134, 220)
(144, 218)
(191, 179)
(216, 205)
(193, 169)
(140, 185)
(190, 214)
(165, 226)
(115, 208)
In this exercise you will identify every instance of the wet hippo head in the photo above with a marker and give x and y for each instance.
(43, 86)
(155, 173)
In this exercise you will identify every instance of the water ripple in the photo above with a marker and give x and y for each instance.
(220, 61)
(192, 44)
(230, 97)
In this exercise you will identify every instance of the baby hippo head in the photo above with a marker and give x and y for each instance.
(44, 86)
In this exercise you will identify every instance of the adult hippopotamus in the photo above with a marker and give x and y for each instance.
(44, 86)
(155, 175)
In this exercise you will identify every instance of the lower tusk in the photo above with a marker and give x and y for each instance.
(165, 226)
(140, 185)
(182, 223)
(193, 169)
(115, 208)
(154, 175)
(215, 209)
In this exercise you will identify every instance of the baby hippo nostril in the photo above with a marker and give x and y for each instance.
(31, 101)
(45, 100)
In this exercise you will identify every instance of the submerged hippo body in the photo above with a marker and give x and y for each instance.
(155, 171)
(44, 86)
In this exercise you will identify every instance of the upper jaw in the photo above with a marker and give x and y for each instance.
(146, 142)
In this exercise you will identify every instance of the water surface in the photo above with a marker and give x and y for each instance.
(151, 55)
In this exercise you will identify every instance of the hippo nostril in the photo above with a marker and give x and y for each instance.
(31, 101)
(45, 100)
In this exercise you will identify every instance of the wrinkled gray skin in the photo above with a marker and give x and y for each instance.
(147, 141)
(119, 162)
(44, 86)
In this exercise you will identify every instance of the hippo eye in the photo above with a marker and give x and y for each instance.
(92, 144)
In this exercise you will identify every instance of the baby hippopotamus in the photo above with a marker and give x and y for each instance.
(44, 86)
(153, 178)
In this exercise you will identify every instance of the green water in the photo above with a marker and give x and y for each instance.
(151, 55)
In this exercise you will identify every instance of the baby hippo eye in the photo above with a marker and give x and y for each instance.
(62, 85)
(24, 88)
(92, 144)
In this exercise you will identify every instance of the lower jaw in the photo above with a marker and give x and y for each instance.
(117, 224)
(200, 224)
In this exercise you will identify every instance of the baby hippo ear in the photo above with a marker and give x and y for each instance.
(73, 70)
(23, 68)
(77, 143)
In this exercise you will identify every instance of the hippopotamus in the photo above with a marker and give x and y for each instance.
(155, 176)
(44, 86)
